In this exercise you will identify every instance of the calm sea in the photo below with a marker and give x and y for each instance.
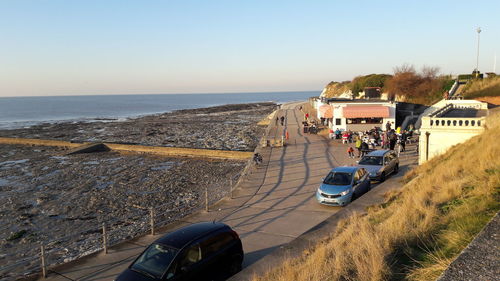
(18, 112)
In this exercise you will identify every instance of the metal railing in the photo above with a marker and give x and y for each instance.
(106, 233)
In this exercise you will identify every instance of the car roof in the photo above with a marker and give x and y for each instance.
(345, 169)
(379, 152)
(182, 236)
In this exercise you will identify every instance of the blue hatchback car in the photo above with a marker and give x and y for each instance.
(342, 185)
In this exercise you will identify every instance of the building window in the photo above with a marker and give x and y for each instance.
(365, 121)
(338, 121)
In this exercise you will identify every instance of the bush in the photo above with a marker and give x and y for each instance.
(423, 88)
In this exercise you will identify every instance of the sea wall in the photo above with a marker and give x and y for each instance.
(164, 151)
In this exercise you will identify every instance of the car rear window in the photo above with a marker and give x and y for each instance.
(371, 160)
(338, 178)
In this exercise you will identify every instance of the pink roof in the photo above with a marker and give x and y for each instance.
(365, 111)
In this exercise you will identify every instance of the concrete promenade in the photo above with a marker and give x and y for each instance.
(272, 206)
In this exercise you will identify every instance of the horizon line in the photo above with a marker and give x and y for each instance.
(189, 93)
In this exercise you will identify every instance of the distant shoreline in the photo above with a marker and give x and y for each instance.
(156, 94)
(23, 112)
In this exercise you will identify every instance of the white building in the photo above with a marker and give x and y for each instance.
(447, 123)
(357, 114)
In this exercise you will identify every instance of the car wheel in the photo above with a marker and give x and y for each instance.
(353, 197)
(235, 265)
(382, 177)
(396, 169)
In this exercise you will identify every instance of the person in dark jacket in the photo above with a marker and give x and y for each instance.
(388, 126)
(257, 158)
(364, 148)
(404, 136)
(393, 138)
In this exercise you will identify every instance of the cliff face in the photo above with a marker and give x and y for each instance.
(336, 89)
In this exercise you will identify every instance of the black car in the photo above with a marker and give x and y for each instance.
(201, 251)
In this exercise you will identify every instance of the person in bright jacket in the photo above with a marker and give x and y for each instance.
(358, 146)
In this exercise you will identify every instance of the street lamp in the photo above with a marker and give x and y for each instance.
(477, 58)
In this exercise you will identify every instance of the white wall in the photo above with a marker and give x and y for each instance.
(441, 138)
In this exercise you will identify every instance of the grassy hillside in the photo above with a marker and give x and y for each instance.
(483, 88)
(420, 229)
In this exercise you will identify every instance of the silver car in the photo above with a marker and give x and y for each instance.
(380, 164)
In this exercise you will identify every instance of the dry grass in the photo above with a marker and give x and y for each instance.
(483, 88)
(420, 229)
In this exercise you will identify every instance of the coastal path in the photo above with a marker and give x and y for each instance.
(272, 205)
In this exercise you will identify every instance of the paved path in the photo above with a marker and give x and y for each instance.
(480, 260)
(279, 202)
(271, 207)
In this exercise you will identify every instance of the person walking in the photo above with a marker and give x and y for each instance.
(364, 148)
(277, 120)
(392, 140)
(257, 158)
(282, 120)
(404, 136)
(388, 126)
(350, 152)
(358, 145)
(307, 116)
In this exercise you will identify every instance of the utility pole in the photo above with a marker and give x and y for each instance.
(477, 58)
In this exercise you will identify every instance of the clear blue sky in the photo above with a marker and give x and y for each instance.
(67, 47)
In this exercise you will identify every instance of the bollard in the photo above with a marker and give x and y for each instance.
(231, 186)
(206, 199)
(104, 239)
(44, 265)
(152, 220)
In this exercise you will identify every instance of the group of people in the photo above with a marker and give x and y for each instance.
(280, 119)
(370, 139)
(310, 127)
(257, 158)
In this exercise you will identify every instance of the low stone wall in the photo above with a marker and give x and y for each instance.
(22, 141)
(157, 150)
(183, 152)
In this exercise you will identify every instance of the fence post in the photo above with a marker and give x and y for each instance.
(104, 239)
(231, 186)
(152, 220)
(44, 265)
(206, 199)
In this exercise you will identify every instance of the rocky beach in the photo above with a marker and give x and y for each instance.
(61, 201)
